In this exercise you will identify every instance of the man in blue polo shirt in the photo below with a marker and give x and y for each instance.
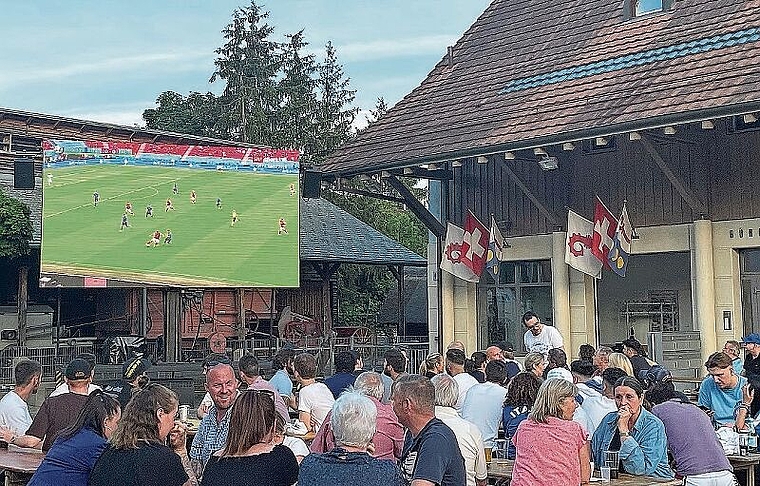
(431, 452)
(722, 390)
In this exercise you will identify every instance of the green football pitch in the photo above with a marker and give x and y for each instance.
(81, 239)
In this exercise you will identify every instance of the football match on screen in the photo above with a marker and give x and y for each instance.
(122, 213)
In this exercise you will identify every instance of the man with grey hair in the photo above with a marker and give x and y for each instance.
(431, 454)
(468, 435)
(352, 421)
(601, 359)
(388, 441)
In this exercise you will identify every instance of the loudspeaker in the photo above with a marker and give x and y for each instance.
(23, 174)
(312, 184)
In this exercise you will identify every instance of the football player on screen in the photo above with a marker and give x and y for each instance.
(95, 198)
(154, 240)
(193, 197)
(169, 206)
(234, 218)
(282, 226)
(168, 238)
(124, 222)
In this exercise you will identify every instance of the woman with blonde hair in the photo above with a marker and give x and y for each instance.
(138, 454)
(432, 365)
(535, 363)
(551, 448)
(252, 451)
(619, 360)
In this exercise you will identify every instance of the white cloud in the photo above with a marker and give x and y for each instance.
(127, 114)
(390, 48)
(147, 62)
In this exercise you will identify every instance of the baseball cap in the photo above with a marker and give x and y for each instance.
(78, 369)
(134, 368)
(505, 346)
(655, 374)
(753, 338)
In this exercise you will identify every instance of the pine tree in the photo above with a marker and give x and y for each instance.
(381, 108)
(298, 103)
(248, 62)
(335, 115)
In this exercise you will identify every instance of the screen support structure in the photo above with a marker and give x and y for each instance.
(172, 319)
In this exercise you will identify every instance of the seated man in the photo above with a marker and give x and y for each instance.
(14, 409)
(64, 387)
(388, 440)
(314, 400)
(251, 377)
(722, 390)
(344, 373)
(484, 402)
(56, 413)
(353, 424)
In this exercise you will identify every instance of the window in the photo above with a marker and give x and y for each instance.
(644, 7)
(522, 286)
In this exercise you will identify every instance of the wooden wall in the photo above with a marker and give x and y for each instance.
(719, 165)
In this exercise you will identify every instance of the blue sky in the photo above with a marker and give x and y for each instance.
(108, 60)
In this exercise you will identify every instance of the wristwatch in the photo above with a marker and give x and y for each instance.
(624, 434)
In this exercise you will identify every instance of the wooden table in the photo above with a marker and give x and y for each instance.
(502, 473)
(745, 463)
(19, 466)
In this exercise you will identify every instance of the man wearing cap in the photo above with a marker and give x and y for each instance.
(722, 390)
(14, 409)
(64, 386)
(540, 338)
(56, 413)
(752, 360)
(732, 349)
(133, 372)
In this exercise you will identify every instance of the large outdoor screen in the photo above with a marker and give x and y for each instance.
(131, 214)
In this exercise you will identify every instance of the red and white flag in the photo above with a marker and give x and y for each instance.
(605, 226)
(578, 246)
(465, 250)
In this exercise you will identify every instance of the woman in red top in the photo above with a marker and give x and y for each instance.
(551, 448)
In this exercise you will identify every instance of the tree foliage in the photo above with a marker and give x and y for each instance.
(15, 227)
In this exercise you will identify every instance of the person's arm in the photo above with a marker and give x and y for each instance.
(743, 407)
(422, 482)
(305, 417)
(178, 443)
(642, 457)
(584, 455)
(9, 436)
(481, 469)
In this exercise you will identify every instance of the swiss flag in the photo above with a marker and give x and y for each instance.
(605, 226)
(475, 247)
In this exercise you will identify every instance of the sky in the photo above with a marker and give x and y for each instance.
(108, 60)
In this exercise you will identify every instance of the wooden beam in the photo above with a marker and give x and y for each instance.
(678, 184)
(376, 195)
(418, 208)
(420, 173)
(542, 208)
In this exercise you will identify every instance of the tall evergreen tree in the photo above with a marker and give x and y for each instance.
(335, 115)
(298, 102)
(381, 107)
(249, 62)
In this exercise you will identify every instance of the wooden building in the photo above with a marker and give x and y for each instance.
(651, 102)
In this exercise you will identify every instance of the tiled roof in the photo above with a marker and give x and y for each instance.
(528, 74)
(330, 234)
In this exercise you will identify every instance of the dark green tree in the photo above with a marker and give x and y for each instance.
(249, 63)
(196, 114)
(15, 227)
(381, 107)
(335, 114)
(296, 114)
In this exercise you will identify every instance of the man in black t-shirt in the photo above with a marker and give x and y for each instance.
(752, 361)
(431, 452)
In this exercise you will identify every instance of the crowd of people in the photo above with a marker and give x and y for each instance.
(438, 427)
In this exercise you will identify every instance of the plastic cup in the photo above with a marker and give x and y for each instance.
(605, 474)
(500, 451)
(487, 450)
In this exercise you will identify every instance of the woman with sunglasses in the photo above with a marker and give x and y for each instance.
(138, 454)
(252, 451)
(73, 454)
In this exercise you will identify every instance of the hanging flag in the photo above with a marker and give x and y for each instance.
(452, 260)
(578, 245)
(621, 247)
(495, 250)
(605, 226)
(475, 247)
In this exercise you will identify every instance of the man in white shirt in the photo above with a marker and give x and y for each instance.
(455, 359)
(14, 410)
(315, 400)
(484, 402)
(540, 338)
(468, 436)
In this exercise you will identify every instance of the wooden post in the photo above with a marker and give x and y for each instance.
(172, 321)
(22, 303)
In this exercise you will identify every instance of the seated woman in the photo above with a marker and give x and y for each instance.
(137, 454)
(73, 454)
(619, 360)
(638, 435)
(353, 421)
(521, 395)
(251, 454)
(551, 448)
(697, 461)
(535, 363)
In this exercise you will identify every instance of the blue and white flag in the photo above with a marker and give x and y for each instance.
(495, 253)
(621, 248)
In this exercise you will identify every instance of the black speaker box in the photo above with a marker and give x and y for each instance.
(23, 174)
(312, 184)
